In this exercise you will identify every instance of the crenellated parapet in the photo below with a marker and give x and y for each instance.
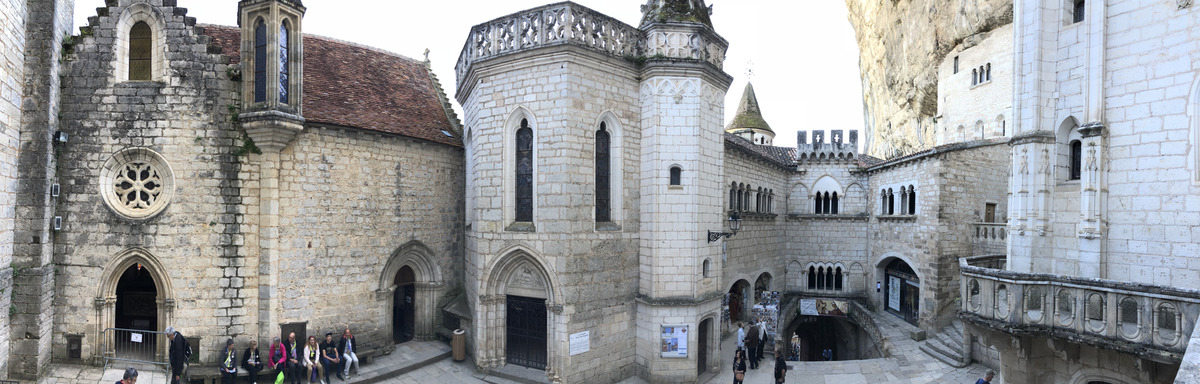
(838, 147)
(550, 25)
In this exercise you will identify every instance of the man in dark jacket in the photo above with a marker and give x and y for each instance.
(780, 366)
(752, 341)
(293, 367)
(348, 348)
(175, 354)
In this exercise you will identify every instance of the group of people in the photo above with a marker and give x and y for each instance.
(310, 360)
(753, 343)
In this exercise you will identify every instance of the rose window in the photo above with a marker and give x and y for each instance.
(136, 183)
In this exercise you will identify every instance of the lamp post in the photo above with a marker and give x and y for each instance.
(735, 224)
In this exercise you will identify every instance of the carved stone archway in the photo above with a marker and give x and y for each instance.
(428, 284)
(106, 299)
(517, 273)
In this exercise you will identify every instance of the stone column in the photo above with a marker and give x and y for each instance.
(1093, 196)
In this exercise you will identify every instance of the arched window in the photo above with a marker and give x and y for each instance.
(817, 202)
(771, 201)
(1076, 159)
(883, 202)
(989, 72)
(140, 52)
(260, 62)
(821, 278)
(833, 205)
(891, 204)
(825, 203)
(733, 197)
(524, 172)
(829, 278)
(676, 176)
(837, 280)
(903, 199)
(981, 74)
(812, 278)
(283, 62)
(741, 197)
(758, 200)
(974, 76)
(707, 270)
(912, 200)
(603, 198)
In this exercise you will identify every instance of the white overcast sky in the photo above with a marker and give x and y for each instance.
(802, 54)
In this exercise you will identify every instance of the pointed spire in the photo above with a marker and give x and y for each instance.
(748, 114)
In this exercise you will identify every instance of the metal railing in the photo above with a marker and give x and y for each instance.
(1150, 321)
(135, 346)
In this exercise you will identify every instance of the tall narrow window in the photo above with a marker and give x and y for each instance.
(989, 72)
(817, 202)
(260, 62)
(283, 63)
(524, 172)
(140, 52)
(812, 278)
(837, 279)
(821, 278)
(1080, 10)
(758, 201)
(829, 278)
(1076, 159)
(602, 192)
(676, 176)
(825, 203)
(955, 64)
(974, 76)
(891, 204)
(883, 202)
(733, 197)
(833, 205)
(912, 200)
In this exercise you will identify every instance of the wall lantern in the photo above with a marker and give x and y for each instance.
(735, 224)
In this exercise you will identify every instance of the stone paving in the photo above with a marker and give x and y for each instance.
(906, 364)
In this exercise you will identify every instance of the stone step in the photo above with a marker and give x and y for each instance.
(950, 342)
(516, 374)
(405, 367)
(947, 350)
(951, 361)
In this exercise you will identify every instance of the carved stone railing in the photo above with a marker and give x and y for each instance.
(988, 238)
(549, 25)
(995, 261)
(1153, 322)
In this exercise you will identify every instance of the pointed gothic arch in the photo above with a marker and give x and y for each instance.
(519, 278)
(518, 119)
(419, 297)
(156, 21)
(107, 295)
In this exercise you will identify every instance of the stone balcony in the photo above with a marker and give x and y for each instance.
(550, 25)
(1152, 322)
(989, 238)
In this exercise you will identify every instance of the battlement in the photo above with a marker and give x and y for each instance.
(839, 146)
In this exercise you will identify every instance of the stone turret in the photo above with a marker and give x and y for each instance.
(838, 146)
(749, 122)
(272, 66)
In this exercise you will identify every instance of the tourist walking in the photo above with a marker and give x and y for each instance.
(752, 341)
(229, 362)
(130, 377)
(762, 339)
(987, 377)
(346, 348)
(176, 354)
(741, 336)
(252, 362)
(780, 366)
(739, 366)
(330, 357)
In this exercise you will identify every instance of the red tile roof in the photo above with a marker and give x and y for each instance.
(351, 85)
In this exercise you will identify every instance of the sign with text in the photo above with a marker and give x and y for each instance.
(581, 342)
(894, 292)
(135, 337)
(674, 340)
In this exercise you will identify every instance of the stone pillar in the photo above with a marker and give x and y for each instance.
(268, 242)
(1092, 202)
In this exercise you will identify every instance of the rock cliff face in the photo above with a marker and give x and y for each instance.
(901, 43)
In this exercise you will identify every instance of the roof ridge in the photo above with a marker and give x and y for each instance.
(330, 39)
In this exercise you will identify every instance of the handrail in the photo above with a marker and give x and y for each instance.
(1147, 320)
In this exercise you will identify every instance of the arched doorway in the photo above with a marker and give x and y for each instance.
(518, 314)
(404, 305)
(762, 284)
(702, 346)
(738, 303)
(902, 293)
(136, 310)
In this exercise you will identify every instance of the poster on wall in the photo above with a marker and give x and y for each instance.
(828, 307)
(674, 340)
(894, 292)
(580, 342)
(808, 307)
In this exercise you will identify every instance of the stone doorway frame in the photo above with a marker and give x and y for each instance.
(518, 272)
(427, 282)
(105, 315)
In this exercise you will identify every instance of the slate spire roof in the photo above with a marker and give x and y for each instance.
(749, 116)
(659, 11)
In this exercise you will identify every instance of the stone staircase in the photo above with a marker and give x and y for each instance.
(947, 345)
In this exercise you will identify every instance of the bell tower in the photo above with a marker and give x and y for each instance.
(273, 70)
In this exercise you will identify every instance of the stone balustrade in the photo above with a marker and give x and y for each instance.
(549, 25)
(988, 238)
(1150, 321)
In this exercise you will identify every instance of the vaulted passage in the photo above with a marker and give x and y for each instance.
(819, 338)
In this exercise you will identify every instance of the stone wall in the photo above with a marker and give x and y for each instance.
(350, 202)
(829, 240)
(12, 88)
(755, 249)
(1032, 359)
(589, 270)
(900, 46)
(197, 240)
(970, 109)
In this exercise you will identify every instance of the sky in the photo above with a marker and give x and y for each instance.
(801, 55)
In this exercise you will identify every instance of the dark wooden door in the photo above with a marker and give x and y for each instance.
(403, 314)
(989, 213)
(526, 332)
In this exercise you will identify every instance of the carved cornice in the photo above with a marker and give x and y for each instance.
(1093, 129)
(1035, 137)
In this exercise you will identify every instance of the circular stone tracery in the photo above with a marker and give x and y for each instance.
(136, 183)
